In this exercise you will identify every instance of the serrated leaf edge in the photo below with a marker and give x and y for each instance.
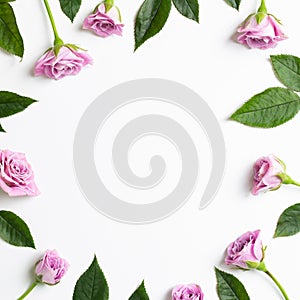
(196, 16)
(135, 41)
(275, 71)
(276, 234)
(218, 271)
(232, 117)
(17, 27)
(30, 242)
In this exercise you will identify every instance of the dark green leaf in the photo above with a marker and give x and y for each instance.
(287, 69)
(289, 222)
(11, 103)
(92, 284)
(270, 108)
(70, 8)
(1, 129)
(14, 230)
(140, 293)
(234, 3)
(10, 37)
(188, 8)
(5, 1)
(150, 19)
(229, 287)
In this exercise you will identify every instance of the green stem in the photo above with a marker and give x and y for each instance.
(27, 292)
(57, 39)
(286, 179)
(295, 183)
(263, 7)
(278, 285)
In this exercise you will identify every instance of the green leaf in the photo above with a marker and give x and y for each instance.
(229, 287)
(188, 8)
(289, 222)
(270, 108)
(14, 230)
(5, 1)
(150, 19)
(234, 3)
(140, 293)
(1, 129)
(287, 69)
(70, 8)
(11, 103)
(10, 37)
(92, 284)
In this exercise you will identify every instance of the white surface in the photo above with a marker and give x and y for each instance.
(185, 247)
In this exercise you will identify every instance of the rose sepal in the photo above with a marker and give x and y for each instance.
(263, 252)
(251, 15)
(74, 47)
(260, 17)
(58, 41)
(262, 12)
(119, 13)
(57, 48)
(277, 20)
(262, 267)
(39, 280)
(108, 5)
(281, 161)
(252, 264)
(275, 188)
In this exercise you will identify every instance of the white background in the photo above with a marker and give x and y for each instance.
(185, 247)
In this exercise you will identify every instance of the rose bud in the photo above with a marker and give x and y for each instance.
(263, 36)
(187, 292)
(16, 175)
(51, 268)
(246, 252)
(260, 30)
(105, 21)
(61, 61)
(266, 170)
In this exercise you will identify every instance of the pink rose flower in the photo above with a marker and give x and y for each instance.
(246, 248)
(16, 175)
(104, 23)
(68, 61)
(264, 35)
(51, 268)
(187, 292)
(266, 170)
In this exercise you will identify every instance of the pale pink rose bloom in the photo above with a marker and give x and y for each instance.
(16, 175)
(187, 292)
(51, 268)
(247, 248)
(265, 172)
(67, 62)
(104, 23)
(262, 36)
